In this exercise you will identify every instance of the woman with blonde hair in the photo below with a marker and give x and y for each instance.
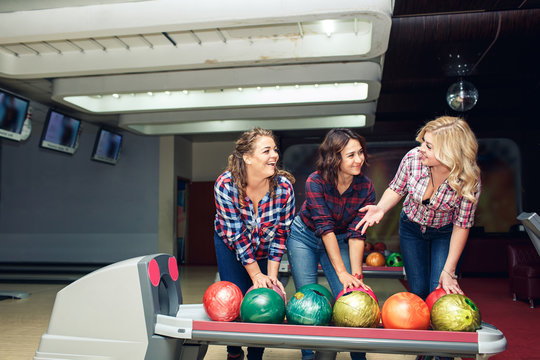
(441, 182)
(254, 211)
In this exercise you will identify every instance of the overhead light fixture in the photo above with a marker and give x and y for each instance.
(328, 26)
(223, 98)
(462, 96)
(218, 126)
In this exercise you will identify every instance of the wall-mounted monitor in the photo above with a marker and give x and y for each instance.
(60, 132)
(13, 111)
(107, 146)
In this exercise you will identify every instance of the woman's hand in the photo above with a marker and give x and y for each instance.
(349, 281)
(260, 280)
(449, 283)
(277, 283)
(373, 215)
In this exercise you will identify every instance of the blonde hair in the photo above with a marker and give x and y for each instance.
(237, 166)
(455, 146)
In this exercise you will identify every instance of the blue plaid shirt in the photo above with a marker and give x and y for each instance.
(253, 238)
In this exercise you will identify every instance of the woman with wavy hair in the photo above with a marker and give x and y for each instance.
(441, 184)
(324, 229)
(254, 210)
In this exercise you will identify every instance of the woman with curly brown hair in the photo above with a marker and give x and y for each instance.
(254, 211)
(324, 230)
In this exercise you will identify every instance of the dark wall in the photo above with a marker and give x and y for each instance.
(64, 208)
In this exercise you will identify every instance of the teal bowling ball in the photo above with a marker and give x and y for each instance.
(320, 288)
(309, 307)
(455, 312)
(262, 305)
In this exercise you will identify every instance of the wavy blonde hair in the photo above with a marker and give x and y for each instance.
(455, 146)
(237, 166)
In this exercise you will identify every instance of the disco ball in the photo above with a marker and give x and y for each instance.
(462, 96)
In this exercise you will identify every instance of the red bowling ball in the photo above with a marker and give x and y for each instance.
(222, 301)
(434, 296)
(405, 310)
(379, 246)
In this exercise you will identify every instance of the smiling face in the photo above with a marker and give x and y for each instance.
(427, 156)
(263, 158)
(352, 158)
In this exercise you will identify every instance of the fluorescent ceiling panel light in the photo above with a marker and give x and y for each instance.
(222, 98)
(218, 126)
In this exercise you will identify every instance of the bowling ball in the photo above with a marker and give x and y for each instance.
(455, 312)
(262, 305)
(394, 259)
(375, 259)
(359, 288)
(356, 309)
(323, 290)
(434, 296)
(405, 310)
(309, 307)
(276, 289)
(368, 247)
(379, 246)
(222, 301)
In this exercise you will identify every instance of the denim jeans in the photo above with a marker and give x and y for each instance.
(230, 269)
(305, 251)
(424, 254)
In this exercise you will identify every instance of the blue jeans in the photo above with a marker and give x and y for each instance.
(305, 251)
(230, 269)
(424, 254)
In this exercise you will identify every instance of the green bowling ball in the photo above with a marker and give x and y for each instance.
(323, 290)
(309, 307)
(356, 309)
(455, 312)
(262, 305)
(394, 259)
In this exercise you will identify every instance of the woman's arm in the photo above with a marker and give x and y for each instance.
(356, 254)
(334, 254)
(374, 213)
(448, 279)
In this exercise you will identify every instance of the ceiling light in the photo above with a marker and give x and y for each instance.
(328, 26)
(462, 96)
(218, 126)
(231, 97)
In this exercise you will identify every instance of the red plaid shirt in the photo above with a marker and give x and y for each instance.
(325, 210)
(445, 206)
(253, 238)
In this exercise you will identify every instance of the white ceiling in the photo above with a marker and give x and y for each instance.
(106, 47)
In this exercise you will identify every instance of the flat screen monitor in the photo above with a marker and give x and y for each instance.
(13, 110)
(531, 221)
(107, 146)
(61, 132)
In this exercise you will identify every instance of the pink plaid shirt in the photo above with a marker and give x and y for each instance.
(445, 206)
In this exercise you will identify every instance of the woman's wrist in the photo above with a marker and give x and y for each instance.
(453, 276)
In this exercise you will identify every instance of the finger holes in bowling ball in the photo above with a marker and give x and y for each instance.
(471, 304)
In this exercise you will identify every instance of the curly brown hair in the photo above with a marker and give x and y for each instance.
(237, 166)
(329, 154)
